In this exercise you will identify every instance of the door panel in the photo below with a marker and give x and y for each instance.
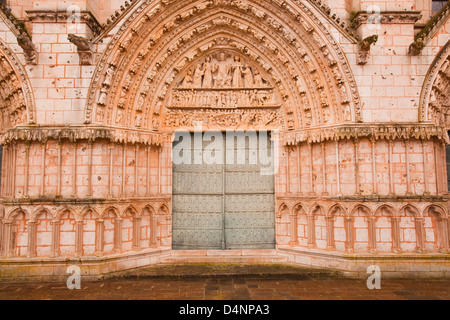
(226, 205)
(249, 197)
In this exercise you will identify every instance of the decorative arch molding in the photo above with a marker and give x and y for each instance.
(160, 43)
(435, 96)
(17, 101)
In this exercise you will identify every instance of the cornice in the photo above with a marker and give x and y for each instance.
(386, 17)
(381, 131)
(62, 17)
(79, 133)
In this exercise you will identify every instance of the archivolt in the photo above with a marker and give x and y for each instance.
(16, 97)
(435, 96)
(156, 46)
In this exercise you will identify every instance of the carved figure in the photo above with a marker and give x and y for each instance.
(248, 77)
(208, 73)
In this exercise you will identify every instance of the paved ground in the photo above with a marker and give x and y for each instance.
(195, 283)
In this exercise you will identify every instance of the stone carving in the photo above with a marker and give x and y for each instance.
(28, 47)
(83, 48)
(75, 133)
(223, 99)
(12, 100)
(416, 47)
(439, 109)
(109, 75)
(223, 81)
(430, 30)
(344, 95)
(347, 113)
(103, 96)
(375, 132)
(138, 121)
(308, 119)
(119, 116)
(326, 115)
(223, 72)
(364, 46)
(233, 74)
(386, 17)
(238, 118)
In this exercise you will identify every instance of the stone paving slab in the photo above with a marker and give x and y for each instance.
(258, 282)
(239, 288)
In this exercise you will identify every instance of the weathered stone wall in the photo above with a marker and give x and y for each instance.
(362, 157)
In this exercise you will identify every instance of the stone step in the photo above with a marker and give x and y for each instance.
(279, 270)
(223, 259)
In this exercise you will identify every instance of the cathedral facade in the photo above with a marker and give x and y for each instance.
(161, 131)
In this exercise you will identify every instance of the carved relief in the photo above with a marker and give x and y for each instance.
(435, 97)
(223, 81)
(28, 47)
(83, 48)
(12, 101)
(201, 83)
(224, 119)
(223, 72)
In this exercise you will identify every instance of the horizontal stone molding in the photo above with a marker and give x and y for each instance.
(313, 135)
(386, 17)
(373, 131)
(45, 16)
(76, 133)
(441, 199)
(84, 202)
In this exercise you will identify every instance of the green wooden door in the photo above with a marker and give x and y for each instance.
(226, 204)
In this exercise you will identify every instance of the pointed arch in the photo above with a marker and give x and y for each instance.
(141, 65)
(163, 210)
(17, 233)
(89, 209)
(39, 211)
(337, 231)
(363, 229)
(436, 92)
(111, 231)
(111, 209)
(41, 231)
(366, 210)
(148, 227)
(131, 209)
(283, 209)
(335, 208)
(387, 229)
(14, 212)
(436, 228)
(17, 100)
(412, 229)
(66, 228)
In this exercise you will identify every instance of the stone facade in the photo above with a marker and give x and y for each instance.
(90, 104)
